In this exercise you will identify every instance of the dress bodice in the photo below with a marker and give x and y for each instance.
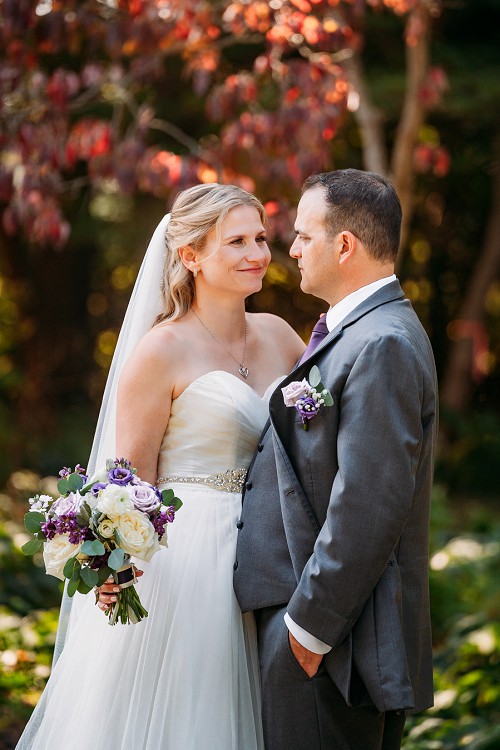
(214, 425)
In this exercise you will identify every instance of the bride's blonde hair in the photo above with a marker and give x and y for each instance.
(194, 213)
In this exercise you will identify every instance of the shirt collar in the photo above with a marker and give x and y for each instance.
(338, 312)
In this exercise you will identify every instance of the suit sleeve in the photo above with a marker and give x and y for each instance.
(378, 447)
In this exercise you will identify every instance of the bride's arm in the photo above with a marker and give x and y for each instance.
(144, 400)
(142, 413)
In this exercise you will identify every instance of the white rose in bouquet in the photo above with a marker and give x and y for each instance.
(136, 535)
(106, 528)
(114, 500)
(56, 553)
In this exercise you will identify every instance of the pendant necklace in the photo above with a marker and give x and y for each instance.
(241, 367)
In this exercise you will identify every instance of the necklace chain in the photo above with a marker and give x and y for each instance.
(241, 366)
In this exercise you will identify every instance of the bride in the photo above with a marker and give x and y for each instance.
(187, 397)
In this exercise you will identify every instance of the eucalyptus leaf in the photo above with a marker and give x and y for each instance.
(70, 567)
(93, 547)
(314, 376)
(103, 574)
(73, 586)
(177, 503)
(31, 547)
(75, 482)
(83, 587)
(33, 521)
(63, 486)
(89, 576)
(167, 496)
(116, 559)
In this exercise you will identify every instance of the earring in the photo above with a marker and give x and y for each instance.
(195, 271)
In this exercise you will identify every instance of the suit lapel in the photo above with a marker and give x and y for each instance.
(388, 293)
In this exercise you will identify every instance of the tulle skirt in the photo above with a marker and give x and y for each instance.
(184, 678)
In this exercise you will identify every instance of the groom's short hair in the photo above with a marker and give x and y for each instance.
(365, 204)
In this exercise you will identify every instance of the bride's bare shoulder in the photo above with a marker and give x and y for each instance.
(157, 351)
(278, 330)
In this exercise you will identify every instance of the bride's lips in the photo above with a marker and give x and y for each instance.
(255, 270)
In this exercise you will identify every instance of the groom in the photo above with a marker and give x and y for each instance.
(333, 539)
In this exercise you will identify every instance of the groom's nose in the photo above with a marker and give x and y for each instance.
(294, 251)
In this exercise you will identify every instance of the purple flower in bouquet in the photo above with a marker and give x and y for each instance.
(67, 524)
(97, 487)
(120, 476)
(145, 497)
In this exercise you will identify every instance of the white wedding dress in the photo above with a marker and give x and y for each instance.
(187, 676)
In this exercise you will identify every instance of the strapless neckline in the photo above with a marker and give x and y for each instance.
(235, 378)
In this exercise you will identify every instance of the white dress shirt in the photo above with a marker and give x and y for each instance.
(334, 316)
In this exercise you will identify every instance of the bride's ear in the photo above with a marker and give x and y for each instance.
(189, 258)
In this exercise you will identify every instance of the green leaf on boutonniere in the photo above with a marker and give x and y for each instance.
(328, 398)
(75, 482)
(314, 376)
(63, 486)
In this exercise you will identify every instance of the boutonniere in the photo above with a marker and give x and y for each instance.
(308, 397)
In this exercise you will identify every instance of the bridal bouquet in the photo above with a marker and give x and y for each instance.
(92, 529)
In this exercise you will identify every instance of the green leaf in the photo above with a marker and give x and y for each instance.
(314, 376)
(89, 576)
(103, 574)
(75, 482)
(70, 567)
(63, 486)
(328, 399)
(83, 587)
(93, 547)
(33, 520)
(116, 559)
(177, 503)
(73, 585)
(167, 496)
(87, 488)
(34, 545)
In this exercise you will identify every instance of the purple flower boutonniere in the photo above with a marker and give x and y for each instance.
(308, 397)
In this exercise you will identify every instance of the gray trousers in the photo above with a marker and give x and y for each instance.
(302, 713)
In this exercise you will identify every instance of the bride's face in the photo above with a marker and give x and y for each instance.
(237, 260)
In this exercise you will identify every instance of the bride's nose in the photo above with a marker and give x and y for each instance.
(258, 251)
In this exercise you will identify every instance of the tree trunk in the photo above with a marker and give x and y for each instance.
(469, 329)
(412, 115)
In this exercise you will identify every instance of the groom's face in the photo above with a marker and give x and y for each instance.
(312, 247)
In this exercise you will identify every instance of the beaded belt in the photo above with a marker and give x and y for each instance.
(231, 480)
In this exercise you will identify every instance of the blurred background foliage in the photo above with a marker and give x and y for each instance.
(107, 109)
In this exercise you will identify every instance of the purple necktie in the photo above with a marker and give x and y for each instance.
(318, 334)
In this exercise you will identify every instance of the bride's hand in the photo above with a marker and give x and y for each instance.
(109, 591)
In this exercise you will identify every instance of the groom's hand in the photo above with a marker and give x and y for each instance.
(308, 660)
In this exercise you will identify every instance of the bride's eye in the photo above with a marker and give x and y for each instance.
(261, 238)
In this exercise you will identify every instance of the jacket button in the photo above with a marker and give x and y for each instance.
(260, 447)
(235, 565)
(239, 525)
(248, 486)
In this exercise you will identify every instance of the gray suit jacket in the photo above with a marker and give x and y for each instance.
(335, 520)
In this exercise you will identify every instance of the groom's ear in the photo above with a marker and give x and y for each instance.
(347, 245)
